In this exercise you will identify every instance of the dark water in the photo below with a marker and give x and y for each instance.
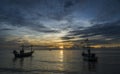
(60, 62)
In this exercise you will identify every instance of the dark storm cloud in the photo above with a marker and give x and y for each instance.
(22, 13)
(44, 29)
(6, 29)
(67, 37)
(40, 28)
(19, 13)
(25, 13)
(109, 11)
(30, 14)
(68, 4)
(109, 17)
(108, 30)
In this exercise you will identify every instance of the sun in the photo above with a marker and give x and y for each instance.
(61, 47)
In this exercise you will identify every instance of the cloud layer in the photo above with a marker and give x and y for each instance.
(68, 20)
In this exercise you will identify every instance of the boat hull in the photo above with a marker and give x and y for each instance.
(27, 54)
(89, 57)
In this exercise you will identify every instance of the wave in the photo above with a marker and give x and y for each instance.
(59, 62)
(35, 70)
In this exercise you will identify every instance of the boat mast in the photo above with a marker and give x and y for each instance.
(88, 46)
(31, 47)
(22, 47)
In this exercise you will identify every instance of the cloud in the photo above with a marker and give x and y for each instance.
(29, 13)
(53, 16)
(98, 32)
(68, 4)
(109, 11)
(6, 29)
(106, 29)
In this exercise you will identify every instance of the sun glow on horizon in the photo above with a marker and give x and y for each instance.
(50, 39)
(96, 46)
(61, 47)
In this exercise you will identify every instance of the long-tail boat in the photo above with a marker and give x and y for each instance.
(22, 53)
(88, 56)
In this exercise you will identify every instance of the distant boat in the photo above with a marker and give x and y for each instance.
(88, 56)
(27, 54)
(22, 53)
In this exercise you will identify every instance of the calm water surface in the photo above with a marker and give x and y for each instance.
(60, 62)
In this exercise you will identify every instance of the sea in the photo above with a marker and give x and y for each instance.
(61, 61)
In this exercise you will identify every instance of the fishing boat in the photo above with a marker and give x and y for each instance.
(88, 56)
(22, 53)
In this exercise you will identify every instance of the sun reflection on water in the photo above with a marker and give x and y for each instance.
(61, 56)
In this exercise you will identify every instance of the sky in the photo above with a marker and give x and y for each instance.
(59, 23)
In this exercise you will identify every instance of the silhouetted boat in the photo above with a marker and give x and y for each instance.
(88, 56)
(27, 54)
(22, 53)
